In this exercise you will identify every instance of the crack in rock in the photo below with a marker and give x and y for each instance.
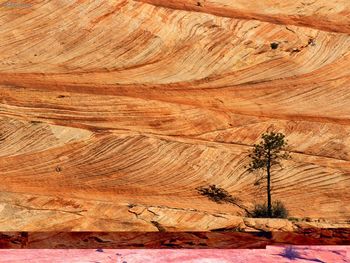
(53, 210)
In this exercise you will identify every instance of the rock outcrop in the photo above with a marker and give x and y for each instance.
(112, 113)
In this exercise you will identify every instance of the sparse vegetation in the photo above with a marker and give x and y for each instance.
(268, 153)
(261, 211)
(216, 194)
(307, 219)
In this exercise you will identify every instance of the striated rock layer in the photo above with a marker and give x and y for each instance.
(112, 113)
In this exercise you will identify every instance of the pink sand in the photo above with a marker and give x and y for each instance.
(329, 254)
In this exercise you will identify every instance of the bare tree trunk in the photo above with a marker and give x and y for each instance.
(269, 207)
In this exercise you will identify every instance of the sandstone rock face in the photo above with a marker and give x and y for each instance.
(112, 113)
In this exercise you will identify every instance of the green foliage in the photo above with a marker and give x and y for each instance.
(217, 194)
(261, 211)
(270, 151)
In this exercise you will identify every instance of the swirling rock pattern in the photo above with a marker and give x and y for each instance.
(112, 113)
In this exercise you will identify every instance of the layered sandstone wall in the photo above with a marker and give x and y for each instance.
(114, 112)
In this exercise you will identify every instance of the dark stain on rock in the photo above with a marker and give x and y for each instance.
(99, 240)
(312, 42)
(295, 50)
(35, 122)
(158, 226)
(274, 45)
(171, 245)
(267, 235)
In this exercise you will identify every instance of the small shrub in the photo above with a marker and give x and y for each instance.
(278, 211)
(216, 194)
(290, 253)
(259, 210)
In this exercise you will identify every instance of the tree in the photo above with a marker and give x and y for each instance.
(268, 153)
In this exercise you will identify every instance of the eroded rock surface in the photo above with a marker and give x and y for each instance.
(112, 113)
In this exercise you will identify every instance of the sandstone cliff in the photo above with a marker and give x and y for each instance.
(112, 113)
